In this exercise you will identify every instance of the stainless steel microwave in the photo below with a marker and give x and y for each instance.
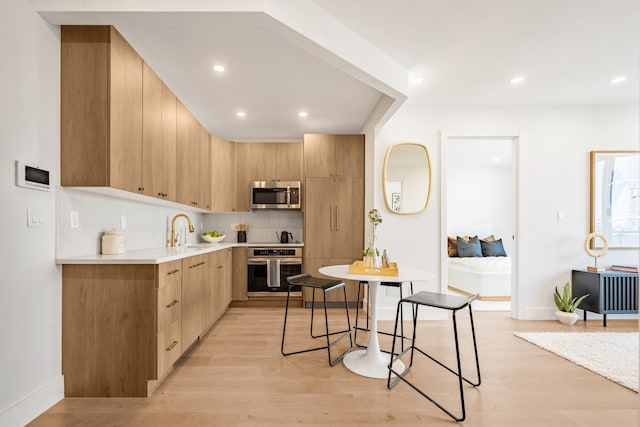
(275, 195)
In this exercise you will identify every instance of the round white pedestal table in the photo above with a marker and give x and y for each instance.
(372, 362)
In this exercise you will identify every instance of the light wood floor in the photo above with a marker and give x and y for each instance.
(236, 376)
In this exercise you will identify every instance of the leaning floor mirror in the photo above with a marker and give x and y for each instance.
(615, 197)
(406, 177)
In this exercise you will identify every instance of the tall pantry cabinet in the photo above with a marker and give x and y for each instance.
(333, 202)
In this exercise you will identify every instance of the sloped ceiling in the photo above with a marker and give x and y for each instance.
(347, 63)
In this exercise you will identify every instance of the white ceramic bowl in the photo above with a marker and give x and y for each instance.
(213, 239)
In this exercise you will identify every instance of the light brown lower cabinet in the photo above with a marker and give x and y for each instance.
(169, 325)
(239, 276)
(194, 295)
(124, 326)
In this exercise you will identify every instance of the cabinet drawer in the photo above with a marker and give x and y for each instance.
(169, 347)
(169, 305)
(169, 273)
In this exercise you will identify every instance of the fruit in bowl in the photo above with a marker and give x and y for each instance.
(212, 236)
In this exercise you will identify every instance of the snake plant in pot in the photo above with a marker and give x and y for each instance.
(566, 304)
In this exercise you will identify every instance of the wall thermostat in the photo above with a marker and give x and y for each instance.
(33, 177)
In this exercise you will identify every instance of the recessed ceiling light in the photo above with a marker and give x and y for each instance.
(496, 160)
(303, 114)
(241, 114)
(417, 80)
(218, 68)
(618, 79)
(517, 80)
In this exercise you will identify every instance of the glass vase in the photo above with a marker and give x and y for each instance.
(372, 254)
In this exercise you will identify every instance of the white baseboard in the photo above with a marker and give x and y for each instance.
(549, 313)
(26, 410)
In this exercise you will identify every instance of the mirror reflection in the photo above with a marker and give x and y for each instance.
(406, 177)
(615, 197)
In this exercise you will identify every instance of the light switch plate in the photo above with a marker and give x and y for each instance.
(74, 219)
(123, 222)
(35, 217)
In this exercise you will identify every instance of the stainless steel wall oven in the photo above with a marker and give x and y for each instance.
(269, 267)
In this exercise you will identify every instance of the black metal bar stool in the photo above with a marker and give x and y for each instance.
(366, 329)
(446, 302)
(325, 285)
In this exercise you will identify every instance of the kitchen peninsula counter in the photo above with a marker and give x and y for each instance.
(162, 255)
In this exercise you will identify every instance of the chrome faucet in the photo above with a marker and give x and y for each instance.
(173, 230)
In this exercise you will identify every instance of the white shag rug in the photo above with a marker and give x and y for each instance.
(614, 355)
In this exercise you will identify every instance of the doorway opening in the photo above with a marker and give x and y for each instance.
(480, 219)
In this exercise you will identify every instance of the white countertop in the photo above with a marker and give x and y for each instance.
(160, 255)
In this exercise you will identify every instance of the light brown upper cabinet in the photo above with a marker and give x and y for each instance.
(193, 160)
(223, 178)
(276, 161)
(158, 137)
(101, 110)
(333, 155)
(243, 177)
(265, 161)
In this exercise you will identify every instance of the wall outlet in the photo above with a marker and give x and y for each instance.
(74, 219)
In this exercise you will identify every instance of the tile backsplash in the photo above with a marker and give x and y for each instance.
(263, 224)
(148, 225)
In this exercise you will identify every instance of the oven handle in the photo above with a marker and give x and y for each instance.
(291, 261)
(265, 261)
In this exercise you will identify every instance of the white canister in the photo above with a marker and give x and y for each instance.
(113, 242)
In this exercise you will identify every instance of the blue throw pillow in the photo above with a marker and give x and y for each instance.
(469, 248)
(492, 248)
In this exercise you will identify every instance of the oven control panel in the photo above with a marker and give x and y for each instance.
(275, 252)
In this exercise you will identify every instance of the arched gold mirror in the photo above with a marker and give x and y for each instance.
(406, 178)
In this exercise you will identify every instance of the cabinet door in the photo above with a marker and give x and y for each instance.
(210, 291)
(318, 156)
(243, 177)
(193, 279)
(84, 106)
(319, 218)
(348, 233)
(125, 145)
(223, 180)
(186, 140)
(289, 161)
(348, 155)
(226, 278)
(263, 159)
(203, 173)
(158, 137)
(239, 276)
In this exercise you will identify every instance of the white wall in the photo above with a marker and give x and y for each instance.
(554, 172)
(480, 202)
(147, 225)
(30, 315)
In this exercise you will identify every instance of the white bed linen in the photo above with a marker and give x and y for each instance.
(487, 276)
